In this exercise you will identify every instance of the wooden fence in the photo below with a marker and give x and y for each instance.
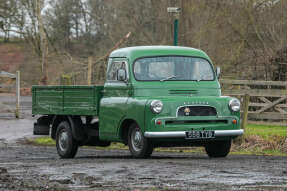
(16, 85)
(268, 99)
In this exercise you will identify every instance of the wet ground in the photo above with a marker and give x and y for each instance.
(10, 128)
(26, 167)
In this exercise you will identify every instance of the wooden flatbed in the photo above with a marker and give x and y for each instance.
(66, 100)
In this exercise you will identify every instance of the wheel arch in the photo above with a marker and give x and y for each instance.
(124, 129)
(75, 123)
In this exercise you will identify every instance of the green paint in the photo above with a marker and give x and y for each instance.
(66, 100)
(175, 38)
(119, 101)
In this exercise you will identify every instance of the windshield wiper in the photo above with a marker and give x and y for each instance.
(168, 78)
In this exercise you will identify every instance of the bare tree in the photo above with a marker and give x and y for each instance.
(44, 46)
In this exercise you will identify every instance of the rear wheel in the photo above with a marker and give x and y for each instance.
(218, 148)
(67, 146)
(139, 146)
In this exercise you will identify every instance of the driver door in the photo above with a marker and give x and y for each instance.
(113, 104)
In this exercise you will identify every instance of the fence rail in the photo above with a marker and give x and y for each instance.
(254, 82)
(7, 75)
(7, 86)
(268, 99)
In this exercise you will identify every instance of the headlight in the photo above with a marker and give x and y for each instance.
(234, 104)
(156, 106)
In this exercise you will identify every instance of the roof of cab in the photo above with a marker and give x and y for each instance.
(145, 51)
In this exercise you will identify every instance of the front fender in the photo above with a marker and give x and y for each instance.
(136, 111)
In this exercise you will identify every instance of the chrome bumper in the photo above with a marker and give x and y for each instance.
(181, 134)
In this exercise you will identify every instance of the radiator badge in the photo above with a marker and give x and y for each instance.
(186, 111)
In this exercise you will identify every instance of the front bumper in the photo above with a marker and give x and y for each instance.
(182, 134)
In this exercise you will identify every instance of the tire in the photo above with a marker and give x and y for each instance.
(139, 146)
(67, 146)
(217, 149)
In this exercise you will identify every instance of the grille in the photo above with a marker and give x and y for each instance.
(189, 122)
(183, 92)
(197, 111)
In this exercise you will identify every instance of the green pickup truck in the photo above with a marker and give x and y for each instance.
(154, 96)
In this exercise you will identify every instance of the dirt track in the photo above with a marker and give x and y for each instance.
(39, 168)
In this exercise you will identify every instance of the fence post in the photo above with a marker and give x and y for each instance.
(245, 111)
(90, 63)
(17, 112)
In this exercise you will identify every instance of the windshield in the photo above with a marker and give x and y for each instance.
(175, 68)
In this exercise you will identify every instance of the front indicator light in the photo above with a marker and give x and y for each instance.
(234, 121)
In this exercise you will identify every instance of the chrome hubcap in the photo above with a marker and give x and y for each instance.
(137, 140)
(63, 140)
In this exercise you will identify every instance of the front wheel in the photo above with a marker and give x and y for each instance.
(67, 146)
(216, 149)
(139, 146)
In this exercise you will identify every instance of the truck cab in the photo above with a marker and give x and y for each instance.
(157, 96)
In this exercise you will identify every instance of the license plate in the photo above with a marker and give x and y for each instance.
(199, 134)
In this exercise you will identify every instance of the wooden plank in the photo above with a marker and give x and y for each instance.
(7, 75)
(271, 104)
(252, 82)
(257, 104)
(7, 86)
(280, 110)
(7, 115)
(257, 92)
(264, 99)
(267, 115)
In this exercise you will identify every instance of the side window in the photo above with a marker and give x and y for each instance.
(113, 69)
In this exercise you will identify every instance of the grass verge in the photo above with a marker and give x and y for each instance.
(263, 140)
(257, 140)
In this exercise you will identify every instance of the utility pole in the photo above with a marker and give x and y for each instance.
(176, 12)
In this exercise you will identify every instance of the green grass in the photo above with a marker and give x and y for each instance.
(43, 141)
(258, 140)
(266, 131)
(263, 140)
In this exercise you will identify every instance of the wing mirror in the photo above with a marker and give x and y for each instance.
(122, 75)
(218, 72)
